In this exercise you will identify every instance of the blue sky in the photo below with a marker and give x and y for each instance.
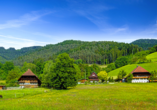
(25, 23)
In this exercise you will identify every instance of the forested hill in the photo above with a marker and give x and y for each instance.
(11, 53)
(89, 52)
(145, 43)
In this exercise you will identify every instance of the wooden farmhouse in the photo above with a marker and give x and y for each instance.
(140, 75)
(2, 87)
(82, 81)
(93, 78)
(29, 80)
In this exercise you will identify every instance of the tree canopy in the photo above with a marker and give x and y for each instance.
(63, 74)
(102, 75)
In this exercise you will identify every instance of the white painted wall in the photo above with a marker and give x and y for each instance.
(140, 80)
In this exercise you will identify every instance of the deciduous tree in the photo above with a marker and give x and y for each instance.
(102, 75)
(63, 73)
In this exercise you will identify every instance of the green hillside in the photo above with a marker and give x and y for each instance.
(145, 43)
(12, 53)
(2, 60)
(100, 52)
(152, 57)
(128, 68)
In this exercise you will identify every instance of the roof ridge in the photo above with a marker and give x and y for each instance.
(28, 72)
(139, 69)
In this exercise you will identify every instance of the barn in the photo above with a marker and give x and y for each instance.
(29, 80)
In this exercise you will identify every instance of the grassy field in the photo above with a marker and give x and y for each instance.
(128, 68)
(85, 97)
(2, 81)
(101, 66)
(152, 57)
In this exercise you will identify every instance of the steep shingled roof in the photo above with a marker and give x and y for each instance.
(28, 73)
(93, 75)
(139, 69)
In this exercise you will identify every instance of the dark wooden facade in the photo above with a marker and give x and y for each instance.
(93, 77)
(29, 80)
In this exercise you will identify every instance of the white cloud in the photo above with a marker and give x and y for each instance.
(121, 29)
(17, 43)
(25, 19)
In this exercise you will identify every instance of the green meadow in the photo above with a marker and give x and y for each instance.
(152, 57)
(2, 81)
(85, 97)
(129, 68)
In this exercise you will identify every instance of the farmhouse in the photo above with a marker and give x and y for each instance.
(29, 80)
(82, 81)
(93, 78)
(2, 87)
(140, 75)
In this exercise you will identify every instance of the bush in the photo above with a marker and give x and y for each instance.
(129, 78)
(121, 62)
(110, 67)
(121, 74)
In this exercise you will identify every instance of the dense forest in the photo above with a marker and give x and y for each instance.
(145, 43)
(101, 52)
(11, 53)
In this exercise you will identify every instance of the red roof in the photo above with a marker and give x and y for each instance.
(139, 69)
(28, 73)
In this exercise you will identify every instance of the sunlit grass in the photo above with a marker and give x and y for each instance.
(88, 97)
(129, 68)
(152, 57)
(101, 66)
(2, 81)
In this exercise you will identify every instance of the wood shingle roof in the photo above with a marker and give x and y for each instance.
(139, 69)
(28, 73)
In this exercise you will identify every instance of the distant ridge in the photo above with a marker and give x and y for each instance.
(12, 53)
(145, 43)
(89, 51)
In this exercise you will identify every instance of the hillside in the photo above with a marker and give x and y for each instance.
(128, 68)
(101, 52)
(152, 57)
(145, 43)
(11, 53)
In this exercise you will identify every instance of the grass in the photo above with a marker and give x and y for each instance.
(2, 81)
(128, 68)
(87, 97)
(7, 94)
(152, 57)
(101, 66)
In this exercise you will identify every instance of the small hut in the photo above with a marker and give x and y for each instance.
(140, 75)
(29, 80)
(2, 87)
(93, 78)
